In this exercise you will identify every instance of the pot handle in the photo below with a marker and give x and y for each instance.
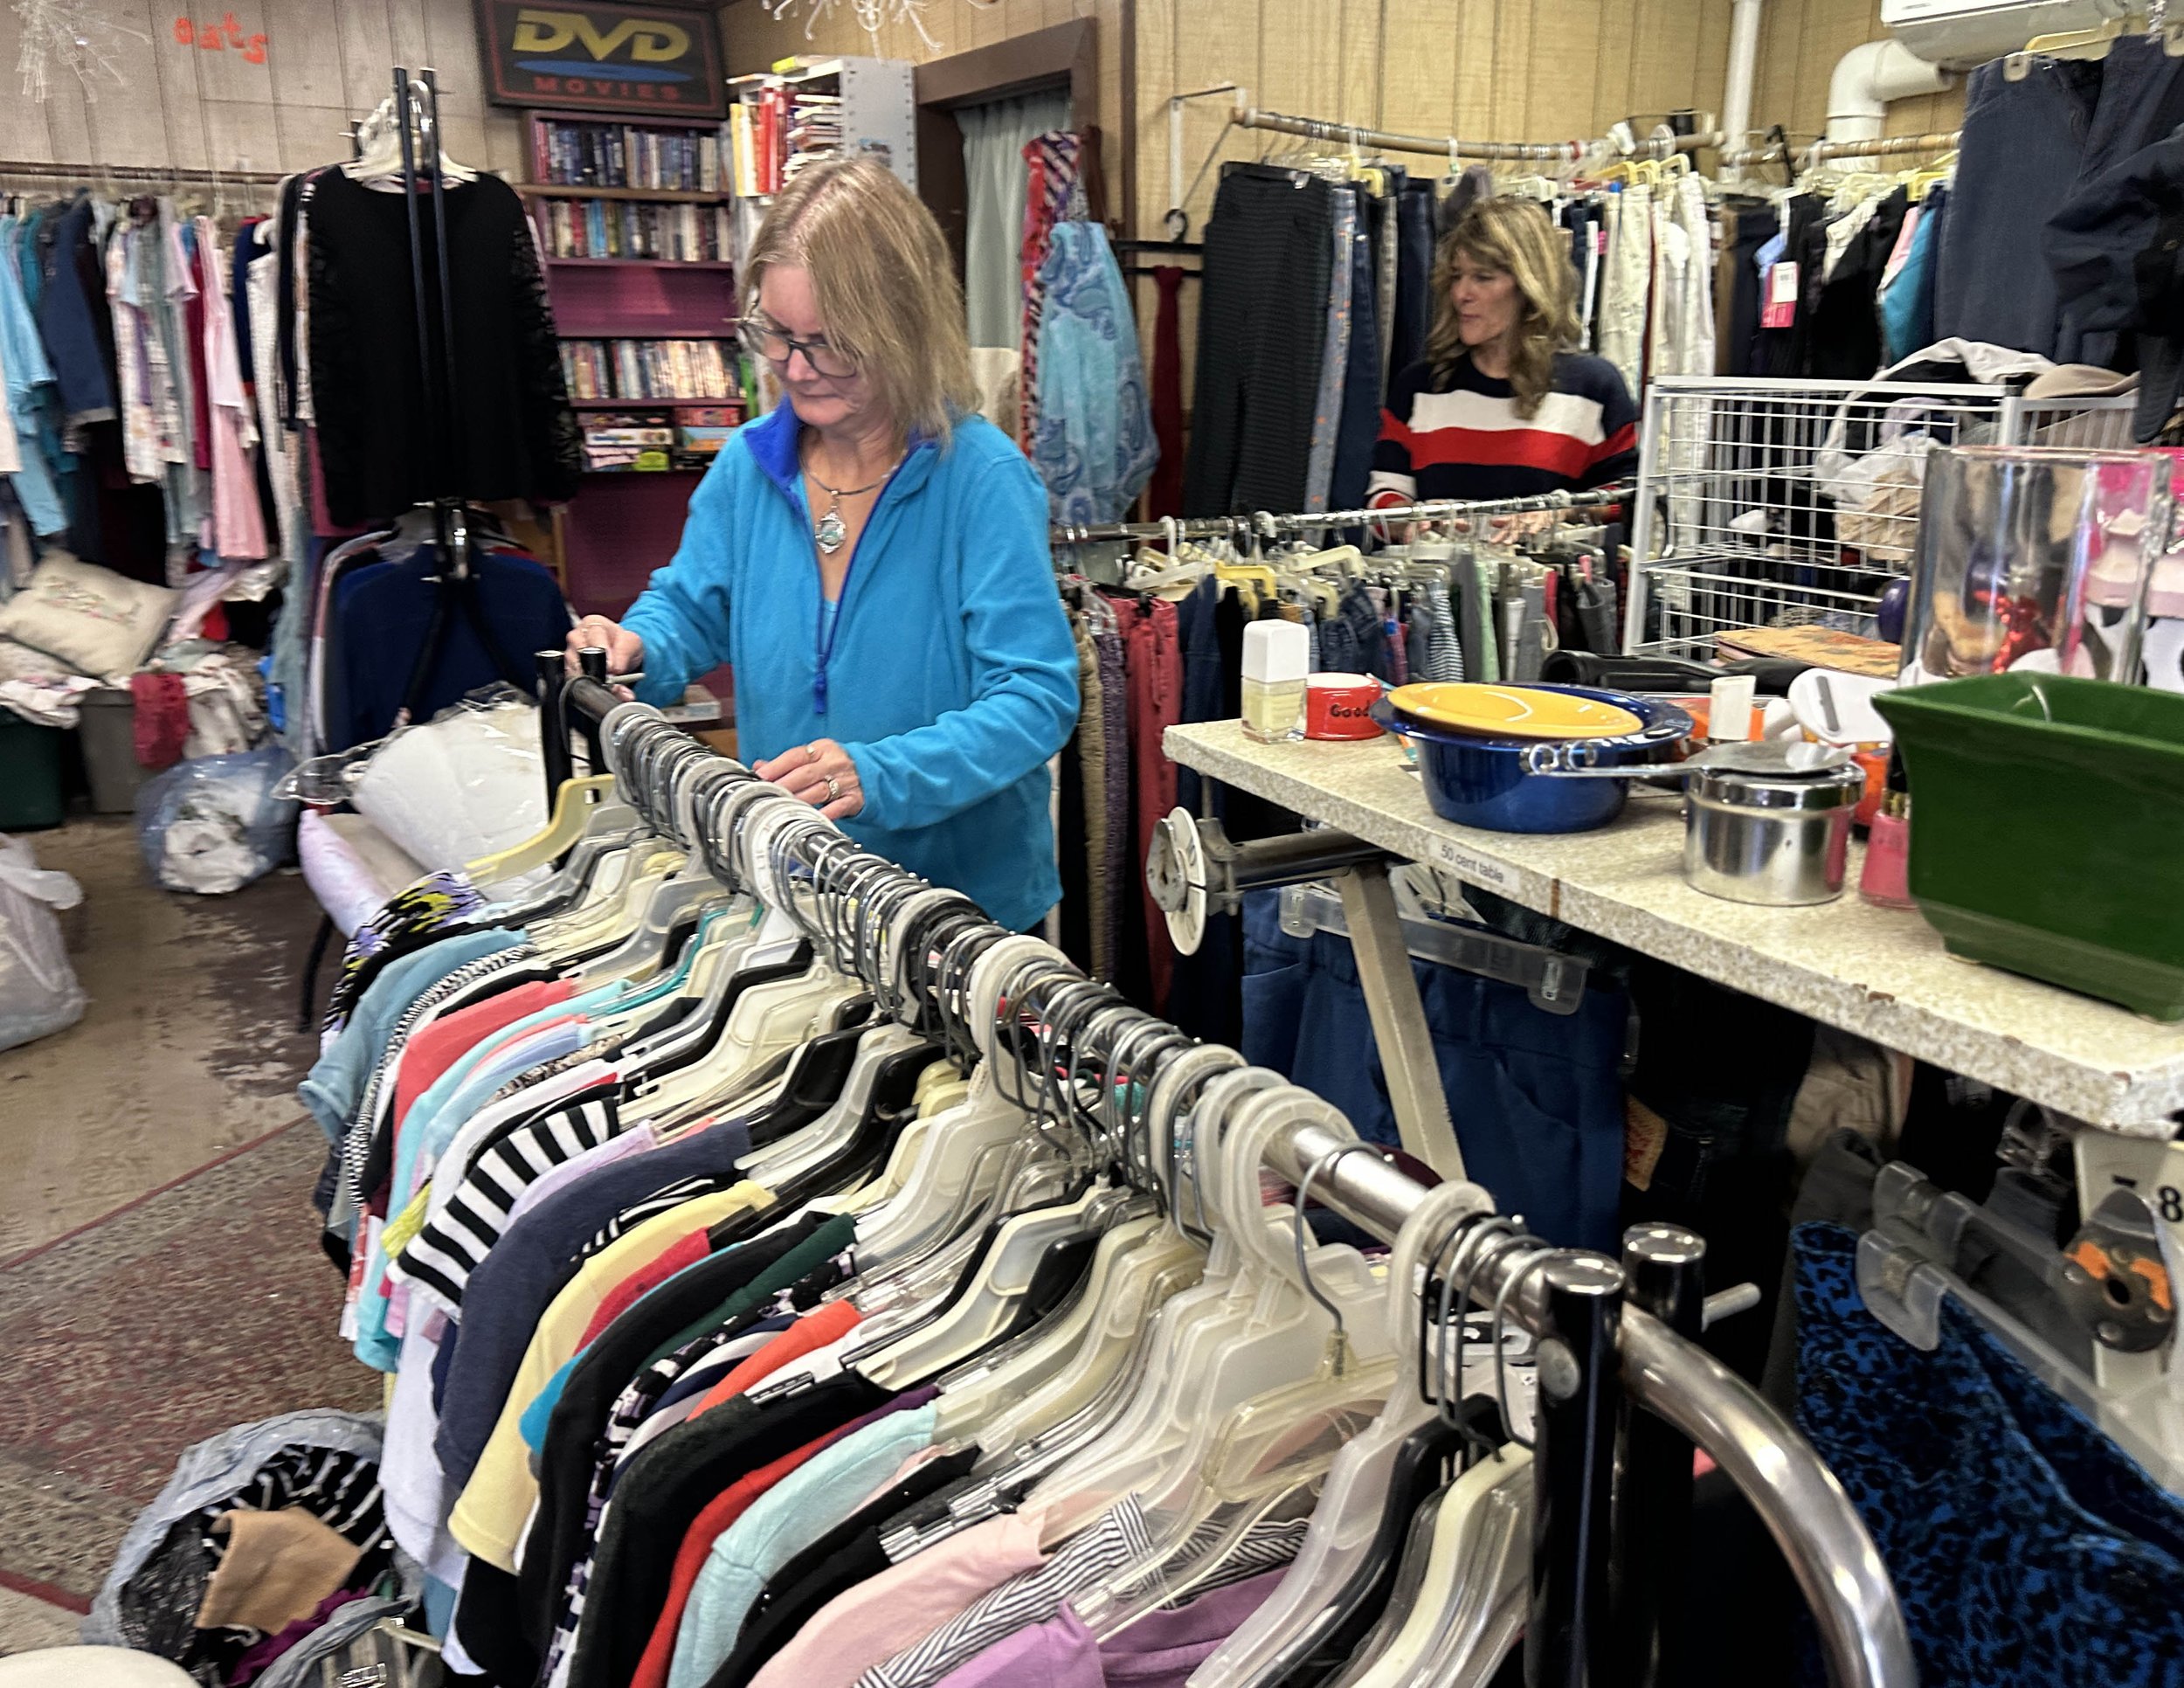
(1579, 761)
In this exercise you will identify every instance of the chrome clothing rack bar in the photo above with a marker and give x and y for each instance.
(1453, 147)
(1265, 525)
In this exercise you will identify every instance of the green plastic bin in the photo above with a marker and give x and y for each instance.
(30, 794)
(2048, 829)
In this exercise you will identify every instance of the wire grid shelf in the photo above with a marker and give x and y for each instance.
(1791, 503)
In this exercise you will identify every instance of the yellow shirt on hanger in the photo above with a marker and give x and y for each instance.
(496, 1503)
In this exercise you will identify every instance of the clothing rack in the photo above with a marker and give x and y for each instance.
(1616, 1336)
(153, 173)
(1819, 152)
(1454, 148)
(1266, 526)
(414, 104)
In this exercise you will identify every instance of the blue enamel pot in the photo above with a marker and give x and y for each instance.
(1496, 784)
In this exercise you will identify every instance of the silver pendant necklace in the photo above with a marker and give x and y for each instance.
(831, 529)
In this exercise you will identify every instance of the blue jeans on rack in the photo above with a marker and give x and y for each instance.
(1536, 1098)
(2023, 144)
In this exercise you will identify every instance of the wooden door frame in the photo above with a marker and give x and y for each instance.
(1064, 55)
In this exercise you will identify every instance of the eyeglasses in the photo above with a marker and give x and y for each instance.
(768, 342)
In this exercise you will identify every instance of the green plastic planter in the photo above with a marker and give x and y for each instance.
(2048, 829)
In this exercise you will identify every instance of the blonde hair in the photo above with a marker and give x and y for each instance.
(1515, 236)
(885, 285)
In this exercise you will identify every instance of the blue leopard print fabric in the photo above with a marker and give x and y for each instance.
(2028, 1550)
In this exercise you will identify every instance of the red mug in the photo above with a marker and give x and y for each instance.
(1340, 706)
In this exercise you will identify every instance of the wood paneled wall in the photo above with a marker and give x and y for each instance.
(1799, 41)
(1494, 70)
(327, 62)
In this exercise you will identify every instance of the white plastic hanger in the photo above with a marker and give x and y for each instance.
(1347, 1518)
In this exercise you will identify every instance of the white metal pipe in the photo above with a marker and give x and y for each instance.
(1867, 78)
(1743, 66)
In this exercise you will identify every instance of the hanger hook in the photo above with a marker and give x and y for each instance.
(1532, 1261)
(1338, 1348)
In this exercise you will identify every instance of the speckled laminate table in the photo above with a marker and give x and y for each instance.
(1881, 974)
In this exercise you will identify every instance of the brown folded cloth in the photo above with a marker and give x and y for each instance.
(279, 1567)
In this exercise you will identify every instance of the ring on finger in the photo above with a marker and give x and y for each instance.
(834, 788)
(810, 753)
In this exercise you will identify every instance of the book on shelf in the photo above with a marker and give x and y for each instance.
(678, 231)
(565, 153)
(650, 370)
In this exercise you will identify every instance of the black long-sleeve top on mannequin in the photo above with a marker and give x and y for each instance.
(513, 434)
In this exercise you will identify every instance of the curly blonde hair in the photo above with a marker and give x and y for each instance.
(1517, 236)
(886, 287)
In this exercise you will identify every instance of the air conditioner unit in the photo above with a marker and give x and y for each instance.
(1958, 34)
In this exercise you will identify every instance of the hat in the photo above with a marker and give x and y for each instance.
(2117, 250)
(2080, 381)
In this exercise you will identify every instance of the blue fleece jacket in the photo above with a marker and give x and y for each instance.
(952, 679)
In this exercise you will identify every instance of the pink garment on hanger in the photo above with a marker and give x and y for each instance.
(238, 523)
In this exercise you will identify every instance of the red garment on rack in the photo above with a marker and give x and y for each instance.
(1164, 495)
(1154, 653)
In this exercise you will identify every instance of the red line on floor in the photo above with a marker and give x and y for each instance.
(50, 1593)
(135, 1202)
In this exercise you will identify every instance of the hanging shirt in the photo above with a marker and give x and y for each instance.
(1460, 436)
(28, 375)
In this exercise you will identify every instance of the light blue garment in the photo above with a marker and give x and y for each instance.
(951, 678)
(23, 359)
(1767, 257)
(443, 1109)
(781, 1523)
(336, 1083)
(1907, 301)
(1094, 448)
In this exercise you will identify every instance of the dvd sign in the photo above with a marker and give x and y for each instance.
(602, 58)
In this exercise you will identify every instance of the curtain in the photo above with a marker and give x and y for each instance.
(993, 138)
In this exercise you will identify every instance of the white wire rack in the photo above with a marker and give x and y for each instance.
(1787, 503)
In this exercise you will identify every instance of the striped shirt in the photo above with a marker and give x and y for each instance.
(442, 1255)
(1461, 437)
(1121, 1540)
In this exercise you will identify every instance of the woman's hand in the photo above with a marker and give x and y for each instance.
(625, 650)
(822, 774)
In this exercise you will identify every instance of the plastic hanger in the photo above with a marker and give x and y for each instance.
(380, 165)
(951, 1155)
(1349, 1513)
(574, 806)
(1553, 981)
(1267, 1332)
(1469, 1599)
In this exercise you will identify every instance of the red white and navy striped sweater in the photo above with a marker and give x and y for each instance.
(1464, 438)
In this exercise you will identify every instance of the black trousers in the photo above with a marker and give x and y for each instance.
(1262, 330)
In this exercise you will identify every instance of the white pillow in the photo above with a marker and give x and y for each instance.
(96, 621)
(19, 661)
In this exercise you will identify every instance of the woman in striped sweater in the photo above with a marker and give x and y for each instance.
(1497, 409)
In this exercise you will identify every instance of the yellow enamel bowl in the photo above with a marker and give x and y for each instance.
(1512, 711)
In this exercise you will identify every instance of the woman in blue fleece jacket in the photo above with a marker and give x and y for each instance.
(871, 558)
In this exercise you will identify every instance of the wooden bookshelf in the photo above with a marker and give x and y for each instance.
(624, 523)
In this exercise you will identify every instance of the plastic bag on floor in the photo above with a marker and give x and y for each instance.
(214, 824)
(39, 993)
